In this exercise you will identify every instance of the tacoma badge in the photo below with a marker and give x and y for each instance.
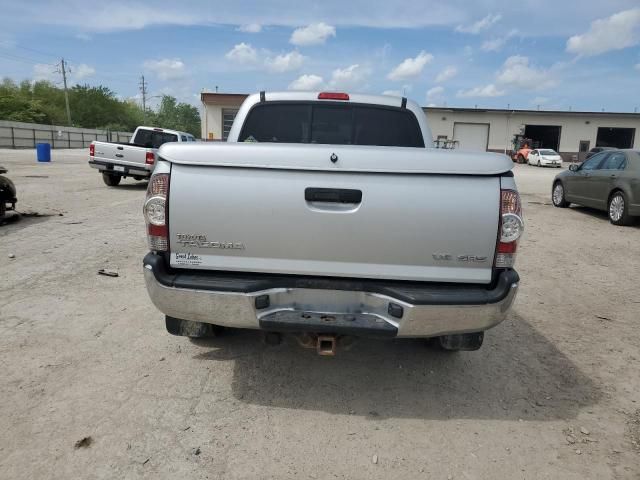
(200, 241)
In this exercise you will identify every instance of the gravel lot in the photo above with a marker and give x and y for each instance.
(554, 392)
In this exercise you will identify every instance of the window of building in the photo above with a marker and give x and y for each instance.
(228, 115)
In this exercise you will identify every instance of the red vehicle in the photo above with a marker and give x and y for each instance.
(522, 147)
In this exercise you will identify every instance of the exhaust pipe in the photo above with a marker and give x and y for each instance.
(326, 345)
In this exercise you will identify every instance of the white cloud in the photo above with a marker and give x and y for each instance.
(307, 82)
(447, 74)
(85, 37)
(493, 45)
(399, 93)
(487, 91)
(351, 77)
(435, 94)
(166, 68)
(616, 32)
(82, 71)
(496, 44)
(44, 71)
(250, 28)
(558, 18)
(539, 100)
(481, 25)
(637, 67)
(314, 34)
(410, 67)
(243, 54)
(517, 72)
(285, 62)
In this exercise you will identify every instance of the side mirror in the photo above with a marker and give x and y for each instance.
(574, 167)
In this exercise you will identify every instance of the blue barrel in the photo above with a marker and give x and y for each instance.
(43, 152)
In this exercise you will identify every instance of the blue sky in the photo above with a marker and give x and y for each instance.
(490, 53)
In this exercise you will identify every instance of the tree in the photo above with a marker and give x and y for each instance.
(91, 107)
(178, 116)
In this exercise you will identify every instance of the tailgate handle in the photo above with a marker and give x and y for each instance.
(119, 155)
(120, 148)
(332, 195)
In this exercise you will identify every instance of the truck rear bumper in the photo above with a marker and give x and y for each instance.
(331, 305)
(122, 169)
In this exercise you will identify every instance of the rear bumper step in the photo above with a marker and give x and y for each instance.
(108, 167)
(349, 306)
(358, 324)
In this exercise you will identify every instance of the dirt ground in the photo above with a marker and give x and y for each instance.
(554, 392)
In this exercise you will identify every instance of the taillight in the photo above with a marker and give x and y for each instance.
(156, 212)
(92, 150)
(150, 158)
(511, 228)
(333, 96)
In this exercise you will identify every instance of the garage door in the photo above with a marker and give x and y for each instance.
(471, 136)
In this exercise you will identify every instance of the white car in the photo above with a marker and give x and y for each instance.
(544, 157)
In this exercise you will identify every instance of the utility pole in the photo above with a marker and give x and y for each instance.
(63, 68)
(143, 90)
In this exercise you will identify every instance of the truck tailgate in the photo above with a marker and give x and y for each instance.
(405, 226)
(123, 154)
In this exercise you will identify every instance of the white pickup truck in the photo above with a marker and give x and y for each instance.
(136, 158)
(329, 215)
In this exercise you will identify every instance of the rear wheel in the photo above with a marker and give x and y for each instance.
(619, 210)
(521, 159)
(191, 329)
(110, 179)
(557, 196)
(539, 164)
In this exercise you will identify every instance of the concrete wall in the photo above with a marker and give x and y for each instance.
(504, 125)
(26, 135)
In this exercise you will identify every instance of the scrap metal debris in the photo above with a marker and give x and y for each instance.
(108, 273)
(84, 442)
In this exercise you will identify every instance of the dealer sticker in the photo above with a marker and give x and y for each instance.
(187, 258)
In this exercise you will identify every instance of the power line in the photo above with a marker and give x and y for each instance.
(17, 58)
(40, 52)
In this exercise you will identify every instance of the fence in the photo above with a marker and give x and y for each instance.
(26, 135)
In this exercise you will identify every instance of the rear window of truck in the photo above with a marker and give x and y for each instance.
(153, 138)
(328, 123)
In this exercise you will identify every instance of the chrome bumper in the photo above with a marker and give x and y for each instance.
(142, 170)
(238, 309)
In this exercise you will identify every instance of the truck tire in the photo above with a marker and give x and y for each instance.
(521, 159)
(191, 329)
(461, 342)
(111, 180)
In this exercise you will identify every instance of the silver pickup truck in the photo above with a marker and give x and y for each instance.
(136, 158)
(330, 215)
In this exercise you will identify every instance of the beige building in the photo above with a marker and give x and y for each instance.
(218, 112)
(570, 133)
